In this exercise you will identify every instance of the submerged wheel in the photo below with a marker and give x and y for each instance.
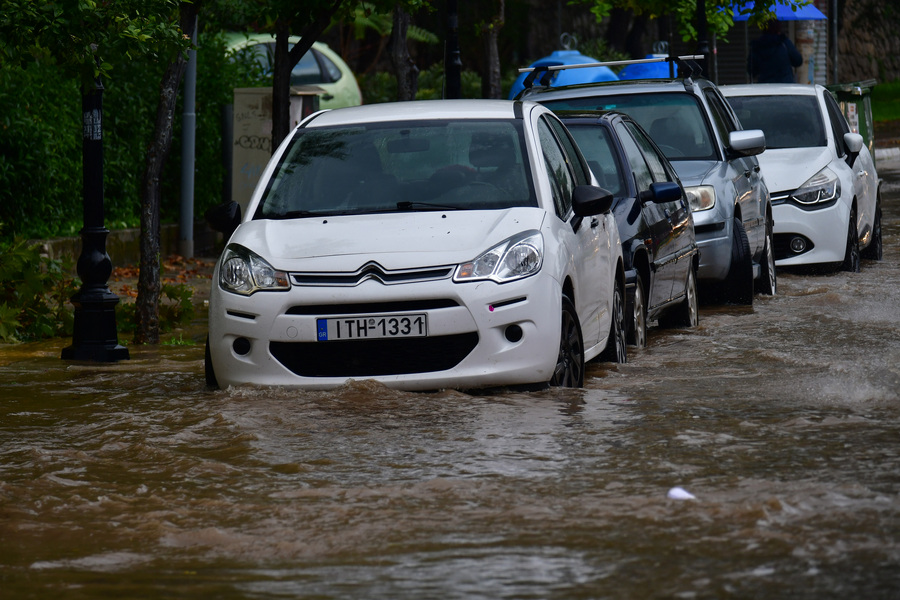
(615, 344)
(851, 254)
(767, 278)
(637, 323)
(739, 283)
(687, 313)
(211, 381)
(569, 371)
(875, 250)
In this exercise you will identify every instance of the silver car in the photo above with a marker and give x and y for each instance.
(716, 160)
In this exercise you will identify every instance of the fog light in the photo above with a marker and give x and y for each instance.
(241, 346)
(513, 333)
(798, 245)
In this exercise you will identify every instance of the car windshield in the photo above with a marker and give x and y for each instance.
(675, 121)
(787, 121)
(597, 147)
(384, 167)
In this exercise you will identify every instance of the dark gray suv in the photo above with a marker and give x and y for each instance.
(715, 158)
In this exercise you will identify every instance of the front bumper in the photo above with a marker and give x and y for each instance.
(826, 228)
(270, 338)
(713, 236)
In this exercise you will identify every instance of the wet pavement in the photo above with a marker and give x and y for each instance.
(781, 420)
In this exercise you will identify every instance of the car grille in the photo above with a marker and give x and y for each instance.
(780, 197)
(372, 270)
(372, 358)
(365, 308)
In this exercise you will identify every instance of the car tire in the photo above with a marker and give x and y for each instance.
(851, 253)
(687, 312)
(211, 381)
(739, 283)
(875, 249)
(768, 282)
(637, 322)
(615, 350)
(569, 370)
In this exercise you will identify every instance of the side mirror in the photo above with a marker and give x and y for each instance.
(854, 142)
(590, 200)
(224, 217)
(749, 142)
(662, 192)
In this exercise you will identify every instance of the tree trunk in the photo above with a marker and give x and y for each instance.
(286, 59)
(281, 85)
(490, 87)
(149, 282)
(404, 67)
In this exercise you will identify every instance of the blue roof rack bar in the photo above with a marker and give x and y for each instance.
(613, 63)
(546, 72)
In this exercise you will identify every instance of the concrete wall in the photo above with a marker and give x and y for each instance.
(869, 40)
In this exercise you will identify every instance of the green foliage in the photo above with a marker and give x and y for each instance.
(34, 294)
(886, 101)
(382, 87)
(40, 151)
(176, 309)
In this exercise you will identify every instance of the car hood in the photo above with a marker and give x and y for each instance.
(395, 240)
(786, 169)
(694, 172)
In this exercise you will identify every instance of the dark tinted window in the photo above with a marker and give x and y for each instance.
(596, 144)
(444, 165)
(674, 120)
(838, 122)
(568, 144)
(787, 121)
(642, 175)
(562, 182)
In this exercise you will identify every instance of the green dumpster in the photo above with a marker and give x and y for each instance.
(856, 102)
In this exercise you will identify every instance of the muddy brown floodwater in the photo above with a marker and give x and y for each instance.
(783, 421)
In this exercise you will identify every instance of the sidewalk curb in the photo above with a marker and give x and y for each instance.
(887, 153)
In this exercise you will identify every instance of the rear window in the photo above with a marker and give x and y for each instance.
(787, 121)
(385, 167)
(675, 121)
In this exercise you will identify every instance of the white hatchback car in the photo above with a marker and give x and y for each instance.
(825, 193)
(426, 245)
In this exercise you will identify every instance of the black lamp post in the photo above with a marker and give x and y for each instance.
(453, 63)
(94, 337)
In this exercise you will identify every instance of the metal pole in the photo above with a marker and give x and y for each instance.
(188, 147)
(94, 335)
(453, 67)
(703, 36)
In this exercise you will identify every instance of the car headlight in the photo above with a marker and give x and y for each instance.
(701, 197)
(245, 272)
(822, 187)
(516, 258)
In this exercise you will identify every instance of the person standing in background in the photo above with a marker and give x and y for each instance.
(773, 57)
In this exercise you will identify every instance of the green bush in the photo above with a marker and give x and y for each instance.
(176, 309)
(886, 101)
(34, 293)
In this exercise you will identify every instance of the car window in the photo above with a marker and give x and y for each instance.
(596, 145)
(720, 116)
(442, 165)
(789, 121)
(657, 168)
(307, 71)
(675, 120)
(328, 66)
(562, 182)
(571, 149)
(642, 175)
(839, 124)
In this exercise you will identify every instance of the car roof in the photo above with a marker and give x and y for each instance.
(420, 110)
(770, 89)
(632, 86)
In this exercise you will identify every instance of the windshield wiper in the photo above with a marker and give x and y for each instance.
(294, 214)
(426, 206)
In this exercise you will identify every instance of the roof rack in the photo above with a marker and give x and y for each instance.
(545, 72)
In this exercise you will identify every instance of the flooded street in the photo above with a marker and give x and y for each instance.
(783, 421)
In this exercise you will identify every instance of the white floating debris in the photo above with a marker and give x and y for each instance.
(677, 493)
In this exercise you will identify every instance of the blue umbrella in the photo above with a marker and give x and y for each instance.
(784, 12)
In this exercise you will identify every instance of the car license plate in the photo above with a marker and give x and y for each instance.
(355, 328)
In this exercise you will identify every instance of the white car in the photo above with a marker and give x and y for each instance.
(427, 245)
(821, 176)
